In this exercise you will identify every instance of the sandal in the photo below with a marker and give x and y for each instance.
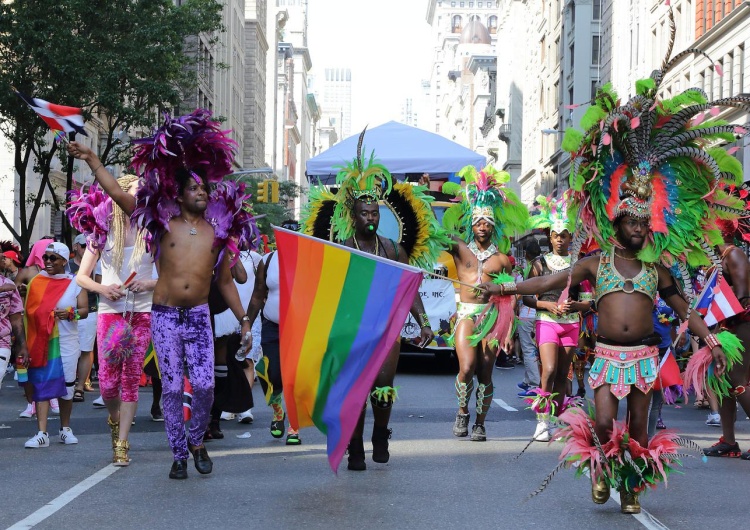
(701, 404)
(78, 396)
(277, 427)
(87, 387)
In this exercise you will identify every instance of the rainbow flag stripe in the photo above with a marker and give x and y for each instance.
(49, 380)
(341, 312)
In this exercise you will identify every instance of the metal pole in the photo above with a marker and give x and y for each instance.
(68, 186)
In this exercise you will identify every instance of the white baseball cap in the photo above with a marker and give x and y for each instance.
(61, 249)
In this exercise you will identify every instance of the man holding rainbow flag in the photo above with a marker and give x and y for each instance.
(371, 288)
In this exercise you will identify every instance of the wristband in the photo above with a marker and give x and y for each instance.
(425, 321)
(711, 341)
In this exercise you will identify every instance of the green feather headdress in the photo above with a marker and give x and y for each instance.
(485, 196)
(553, 214)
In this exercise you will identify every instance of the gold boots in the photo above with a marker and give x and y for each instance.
(114, 429)
(120, 453)
(629, 502)
(599, 491)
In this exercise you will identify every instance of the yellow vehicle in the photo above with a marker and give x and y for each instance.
(438, 295)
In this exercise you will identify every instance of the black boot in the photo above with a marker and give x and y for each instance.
(356, 452)
(380, 436)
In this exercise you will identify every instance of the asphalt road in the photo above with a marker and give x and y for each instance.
(432, 481)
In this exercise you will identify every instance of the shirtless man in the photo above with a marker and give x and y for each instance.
(366, 239)
(625, 292)
(180, 320)
(736, 270)
(475, 262)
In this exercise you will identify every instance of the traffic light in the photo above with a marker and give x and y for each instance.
(274, 191)
(262, 195)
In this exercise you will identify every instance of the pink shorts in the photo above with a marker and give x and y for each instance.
(563, 335)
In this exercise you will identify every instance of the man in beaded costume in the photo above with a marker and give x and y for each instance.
(557, 321)
(650, 193)
(351, 217)
(488, 214)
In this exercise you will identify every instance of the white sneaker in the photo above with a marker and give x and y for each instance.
(227, 416)
(67, 437)
(40, 440)
(714, 420)
(54, 406)
(29, 411)
(541, 434)
(98, 403)
(245, 417)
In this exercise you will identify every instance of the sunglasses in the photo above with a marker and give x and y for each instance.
(46, 257)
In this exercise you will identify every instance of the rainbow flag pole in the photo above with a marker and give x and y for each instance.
(341, 312)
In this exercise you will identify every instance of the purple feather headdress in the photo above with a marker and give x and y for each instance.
(90, 214)
(197, 143)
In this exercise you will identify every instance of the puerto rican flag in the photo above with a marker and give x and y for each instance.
(58, 117)
(717, 301)
(669, 372)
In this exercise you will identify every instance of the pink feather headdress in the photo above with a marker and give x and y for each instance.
(90, 214)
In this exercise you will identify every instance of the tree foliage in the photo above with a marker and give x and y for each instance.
(122, 61)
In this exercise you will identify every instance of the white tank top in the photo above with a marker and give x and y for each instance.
(271, 309)
(138, 302)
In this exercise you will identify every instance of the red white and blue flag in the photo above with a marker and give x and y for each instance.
(58, 117)
(717, 301)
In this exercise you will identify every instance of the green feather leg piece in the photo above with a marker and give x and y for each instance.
(732, 348)
(385, 394)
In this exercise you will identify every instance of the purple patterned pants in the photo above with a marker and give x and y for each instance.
(182, 335)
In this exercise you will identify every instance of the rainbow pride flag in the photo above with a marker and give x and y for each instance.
(341, 311)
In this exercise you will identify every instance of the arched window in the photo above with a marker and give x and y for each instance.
(456, 24)
(492, 24)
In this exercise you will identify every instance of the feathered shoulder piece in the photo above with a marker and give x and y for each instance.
(485, 196)
(229, 211)
(90, 214)
(195, 143)
(553, 214)
(649, 158)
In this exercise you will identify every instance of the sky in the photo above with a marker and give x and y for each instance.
(387, 45)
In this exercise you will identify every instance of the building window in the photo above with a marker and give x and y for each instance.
(594, 88)
(570, 96)
(492, 24)
(543, 49)
(572, 56)
(597, 11)
(595, 49)
(479, 4)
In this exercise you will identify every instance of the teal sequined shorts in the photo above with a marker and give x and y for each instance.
(623, 367)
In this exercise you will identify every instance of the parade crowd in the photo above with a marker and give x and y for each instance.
(166, 277)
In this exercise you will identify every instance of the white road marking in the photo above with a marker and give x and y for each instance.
(60, 502)
(503, 404)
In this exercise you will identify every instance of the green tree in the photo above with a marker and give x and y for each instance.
(122, 61)
(275, 213)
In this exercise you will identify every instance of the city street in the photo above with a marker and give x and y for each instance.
(433, 480)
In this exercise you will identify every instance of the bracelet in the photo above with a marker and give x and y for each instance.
(73, 314)
(93, 171)
(425, 321)
(711, 341)
(507, 288)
